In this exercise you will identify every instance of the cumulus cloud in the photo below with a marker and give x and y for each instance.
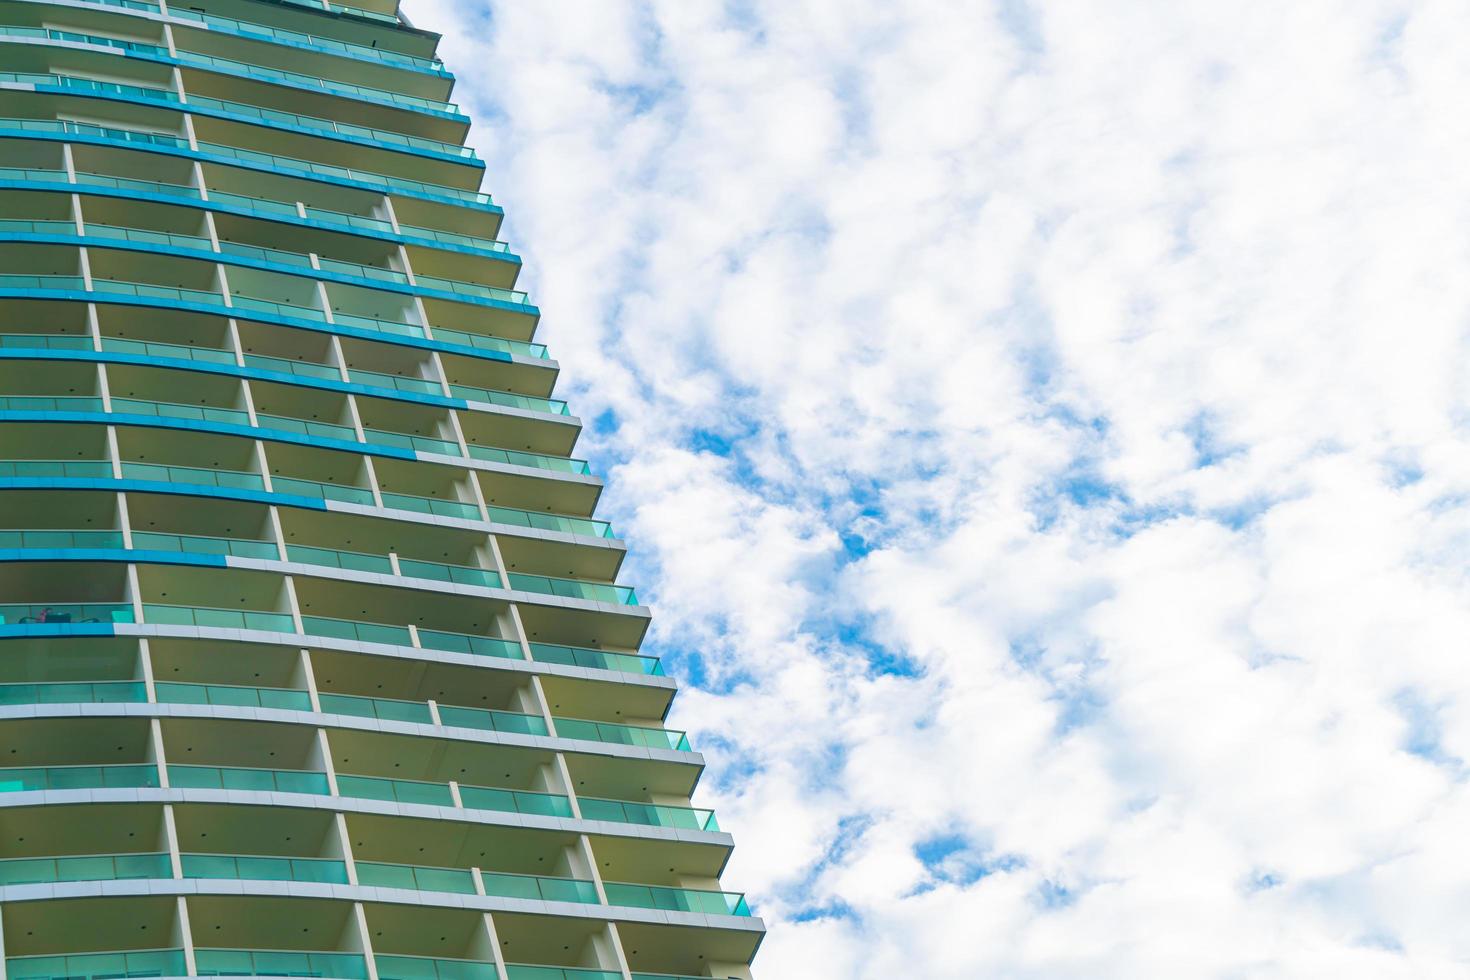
(1041, 431)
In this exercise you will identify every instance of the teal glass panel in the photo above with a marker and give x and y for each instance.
(352, 561)
(396, 790)
(480, 646)
(279, 963)
(454, 880)
(425, 968)
(90, 867)
(515, 801)
(380, 708)
(93, 692)
(305, 369)
(175, 352)
(322, 491)
(602, 731)
(458, 574)
(628, 663)
(256, 868)
(78, 777)
(230, 479)
(63, 613)
(61, 539)
(555, 464)
(206, 618)
(524, 971)
(573, 589)
(676, 899)
(200, 545)
(491, 397)
(550, 522)
(256, 780)
(647, 814)
(98, 966)
(509, 722)
(483, 342)
(230, 696)
(539, 888)
(65, 468)
(343, 629)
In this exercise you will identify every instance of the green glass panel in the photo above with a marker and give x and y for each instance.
(280, 963)
(481, 646)
(425, 968)
(98, 966)
(676, 899)
(515, 801)
(396, 790)
(601, 731)
(453, 880)
(522, 971)
(381, 708)
(508, 722)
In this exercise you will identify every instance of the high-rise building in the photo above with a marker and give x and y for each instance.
(312, 660)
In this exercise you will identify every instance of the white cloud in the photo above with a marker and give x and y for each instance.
(1046, 423)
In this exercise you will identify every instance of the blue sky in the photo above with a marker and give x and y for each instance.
(1040, 431)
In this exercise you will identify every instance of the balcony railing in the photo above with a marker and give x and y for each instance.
(347, 629)
(570, 588)
(676, 899)
(525, 971)
(347, 560)
(440, 572)
(379, 96)
(489, 396)
(243, 778)
(196, 544)
(35, 778)
(437, 506)
(173, 410)
(177, 352)
(479, 646)
(70, 469)
(232, 696)
(487, 720)
(322, 491)
(383, 709)
(245, 28)
(206, 617)
(647, 814)
(415, 878)
(107, 540)
(255, 868)
(515, 801)
(89, 867)
(228, 479)
(556, 464)
(540, 888)
(64, 613)
(280, 963)
(395, 967)
(74, 692)
(395, 790)
(118, 965)
(627, 663)
(614, 734)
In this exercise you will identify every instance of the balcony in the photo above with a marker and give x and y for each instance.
(279, 963)
(64, 613)
(626, 663)
(120, 965)
(676, 899)
(232, 696)
(540, 888)
(90, 867)
(414, 878)
(394, 967)
(74, 692)
(35, 778)
(613, 734)
(242, 778)
(255, 868)
(648, 814)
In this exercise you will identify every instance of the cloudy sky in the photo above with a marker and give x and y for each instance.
(1040, 428)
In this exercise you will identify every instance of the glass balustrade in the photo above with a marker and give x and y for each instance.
(383, 709)
(376, 95)
(458, 574)
(110, 133)
(73, 37)
(322, 491)
(74, 692)
(162, 188)
(242, 778)
(64, 613)
(15, 281)
(431, 505)
(627, 663)
(348, 560)
(304, 369)
(259, 253)
(14, 226)
(539, 888)
(555, 464)
(484, 342)
(71, 469)
(414, 878)
(570, 588)
(346, 629)
(360, 271)
(172, 410)
(294, 120)
(306, 427)
(376, 325)
(85, 867)
(44, 341)
(479, 646)
(395, 790)
(551, 406)
(394, 382)
(647, 814)
(488, 720)
(61, 539)
(118, 965)
(676, 899)
(452, 238)
(550, 522)
(613, 734)
(195, 544)
(143, 236)
(515, 801)
(395, 967)
(35, 778)
(279, 963)
(241, 867)
(256, 31)
(230, 479)
(173, 352)
(232, 696)
(525, 971)
(421, 444)
(207, 618)
(47, 403)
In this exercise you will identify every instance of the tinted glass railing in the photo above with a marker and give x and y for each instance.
(254, 205)
(530, 403)
(304, 369)
(47, 403)
(176, 352)
(246, 28)
(676, 899)
(414, 878)
(109, 133)
(296, 78)
(195, 544)
(47, 34)
(329, 558)
(15, 281)
(144, 290)
(555, 464)
(431, 505)
(361, 271)
(273, 308)
(479, 646)
(232, 696)
(343, 8)
(647, 814)
(570, 588)
(515, 801)
(279, 963)
(379, 326)
(61, 539)
(159, 187)
(350, 220)
(243, 867)
(45, 341)
(427, 968)
(172, 410)
(64, 613)
(276, 162)
(524, 971)
(550, 522)
(71, 82)
(75, 692)
(483, 342)
(423, 444)
(121, 965)
(78, 777)
(14, 226)
(262, 254)
(383, 709)
(208, 618)
(394, 382)
(395, 790)
(306, 427)
(540, 888)
(90, 469)
(322, 491)
(487, 720)
(614, 734)
(627, 663)
(89, 867)
(346, 629)
(242, 778)
(144, 236)
(474, 289)
(294, 120)
(231, 479)
(458, 574)
(453, 238)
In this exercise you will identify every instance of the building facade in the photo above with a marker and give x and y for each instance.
(312, 660)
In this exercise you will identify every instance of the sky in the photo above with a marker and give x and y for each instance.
(1040, 432)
